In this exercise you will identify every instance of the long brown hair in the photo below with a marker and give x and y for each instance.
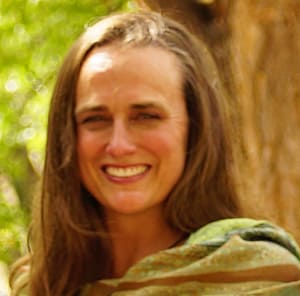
(70, 246)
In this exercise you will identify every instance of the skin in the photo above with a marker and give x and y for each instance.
(132, 133)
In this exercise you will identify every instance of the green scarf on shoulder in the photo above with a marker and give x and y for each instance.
(227, 257)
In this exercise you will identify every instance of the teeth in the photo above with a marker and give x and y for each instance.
(125, 172)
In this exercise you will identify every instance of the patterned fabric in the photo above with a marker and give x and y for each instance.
(228, 257)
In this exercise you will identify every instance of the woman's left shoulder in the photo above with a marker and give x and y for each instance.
(219, 232)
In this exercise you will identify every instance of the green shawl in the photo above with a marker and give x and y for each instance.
(227, 257)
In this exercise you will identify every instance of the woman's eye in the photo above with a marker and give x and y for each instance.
(147, 116)
(94, 122)
(95, 118)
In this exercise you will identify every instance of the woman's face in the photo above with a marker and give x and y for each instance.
(132, 126)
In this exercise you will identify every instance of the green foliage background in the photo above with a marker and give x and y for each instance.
(34, 36)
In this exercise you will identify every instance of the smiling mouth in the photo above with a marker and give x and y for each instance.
(125, 172)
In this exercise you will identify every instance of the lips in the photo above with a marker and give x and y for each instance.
(125, 172)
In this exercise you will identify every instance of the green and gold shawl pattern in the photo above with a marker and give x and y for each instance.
(227, 257)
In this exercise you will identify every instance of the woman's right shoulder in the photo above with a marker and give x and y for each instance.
(19, 276)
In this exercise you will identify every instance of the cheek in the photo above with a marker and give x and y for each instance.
(168, 143)
(88, 145)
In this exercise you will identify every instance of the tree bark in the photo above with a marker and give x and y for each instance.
(256, 44)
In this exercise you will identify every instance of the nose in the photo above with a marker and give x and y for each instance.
(120, 142)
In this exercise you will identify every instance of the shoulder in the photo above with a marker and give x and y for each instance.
(246, 242)
(227, 257)
(218, 232)
(19, 276)
(223, 227)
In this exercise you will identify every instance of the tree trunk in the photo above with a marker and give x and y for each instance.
(256, 44)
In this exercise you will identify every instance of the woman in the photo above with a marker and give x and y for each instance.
(138, 159)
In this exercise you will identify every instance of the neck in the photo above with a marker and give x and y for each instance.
(138, 235)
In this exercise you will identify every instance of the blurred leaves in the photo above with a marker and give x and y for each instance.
(34, 36)
(13, 221)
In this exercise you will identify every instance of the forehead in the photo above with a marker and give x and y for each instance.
(111, 69)
(115, 56)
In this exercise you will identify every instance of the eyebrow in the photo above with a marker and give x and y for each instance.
(146, 105)
(99, 108)
(89, 108)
